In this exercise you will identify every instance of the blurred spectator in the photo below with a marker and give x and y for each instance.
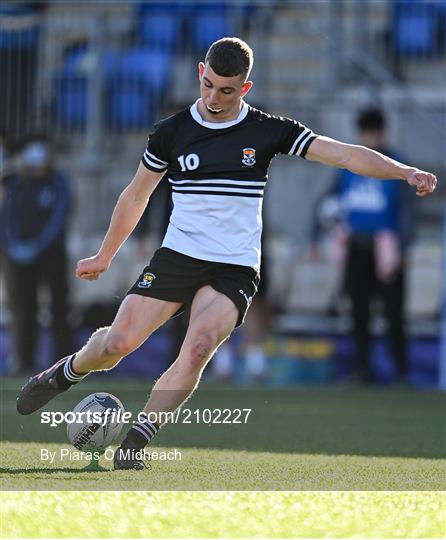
(253, 335)
(33, 216)
(256, 326)
(19, 37)
(6, 153)
(375, 227)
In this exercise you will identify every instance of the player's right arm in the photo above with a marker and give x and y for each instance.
(128, 211)
(366, 162)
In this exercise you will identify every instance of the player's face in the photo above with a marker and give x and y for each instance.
(221, 96)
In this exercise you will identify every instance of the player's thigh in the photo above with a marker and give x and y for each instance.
(212, 319)
(139, 316)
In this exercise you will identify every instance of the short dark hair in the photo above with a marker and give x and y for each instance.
(371, 119)
(229, 57)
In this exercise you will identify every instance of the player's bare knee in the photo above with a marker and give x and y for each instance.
(117, 346)
(200, 350)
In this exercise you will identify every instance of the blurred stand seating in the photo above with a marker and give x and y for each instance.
(133, 80)
(419, 28)
(210, 22)
(138, 83)
(20, 33)
(71, 84)
(160, 31)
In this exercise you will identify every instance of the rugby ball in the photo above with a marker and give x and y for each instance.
(95, 422)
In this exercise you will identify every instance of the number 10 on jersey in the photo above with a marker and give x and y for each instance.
(189, 163)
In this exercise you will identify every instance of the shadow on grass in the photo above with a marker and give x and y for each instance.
(49, 471)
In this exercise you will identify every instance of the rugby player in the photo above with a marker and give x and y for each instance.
(217, 153)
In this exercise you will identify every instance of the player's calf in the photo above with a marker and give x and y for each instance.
(184, 373)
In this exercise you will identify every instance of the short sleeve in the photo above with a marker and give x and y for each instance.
(295, 138)
(156, 155)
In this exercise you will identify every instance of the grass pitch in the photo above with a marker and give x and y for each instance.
(344, 456)
(294, 439)
(223, 515)
(228, 470)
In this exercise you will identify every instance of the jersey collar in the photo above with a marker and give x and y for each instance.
(217, 125)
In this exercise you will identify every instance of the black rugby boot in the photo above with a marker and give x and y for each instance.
(129, 458)
(39, 390)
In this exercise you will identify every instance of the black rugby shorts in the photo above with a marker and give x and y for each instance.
(175, 277)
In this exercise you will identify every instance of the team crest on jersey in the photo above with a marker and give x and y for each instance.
(147, 280)
(249, 157)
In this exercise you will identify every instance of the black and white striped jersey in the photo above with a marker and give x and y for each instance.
(218, 173)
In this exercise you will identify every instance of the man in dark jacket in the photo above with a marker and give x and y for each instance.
(34, 209)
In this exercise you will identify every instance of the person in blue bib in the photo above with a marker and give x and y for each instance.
(376, 227)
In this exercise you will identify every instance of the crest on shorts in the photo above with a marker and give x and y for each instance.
(147, 280)
(249, 157)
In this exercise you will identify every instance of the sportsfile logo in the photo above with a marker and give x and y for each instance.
(99, 418)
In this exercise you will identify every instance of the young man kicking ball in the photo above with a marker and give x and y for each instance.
(217, 153)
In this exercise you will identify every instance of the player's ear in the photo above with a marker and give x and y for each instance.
(200, 70)
(246, 88)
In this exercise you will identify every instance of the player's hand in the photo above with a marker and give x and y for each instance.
(425, 182)
(91, 268)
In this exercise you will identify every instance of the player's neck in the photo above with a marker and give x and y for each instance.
(208, 117)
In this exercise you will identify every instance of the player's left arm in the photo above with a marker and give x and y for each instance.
(367, 162)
